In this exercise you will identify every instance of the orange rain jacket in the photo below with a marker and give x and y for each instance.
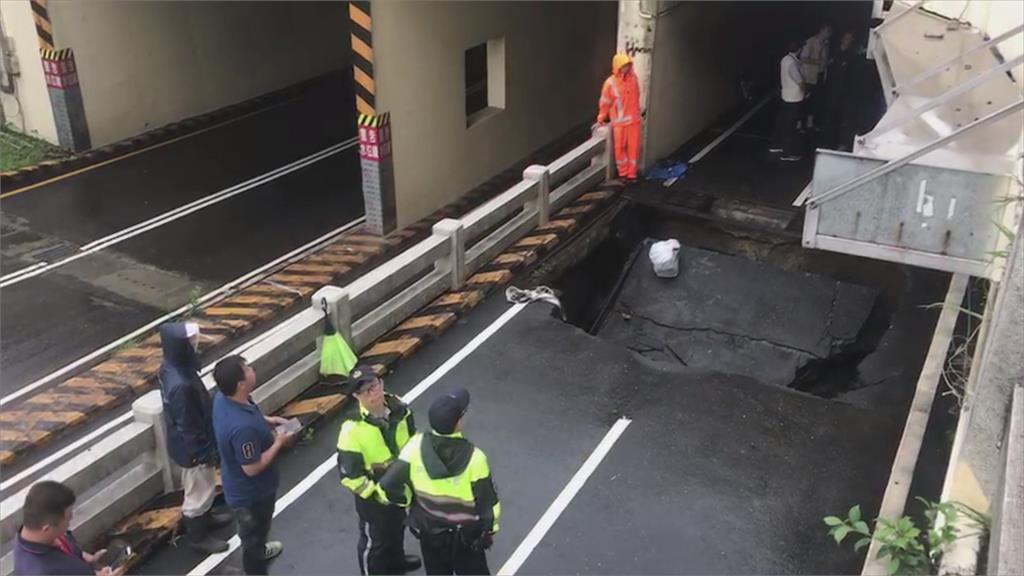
(620, 96)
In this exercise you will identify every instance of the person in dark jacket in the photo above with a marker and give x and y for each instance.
(844, 94)
(44, 545)
(188, 412)
(454, 505)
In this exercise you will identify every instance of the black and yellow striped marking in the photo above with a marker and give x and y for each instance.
(371, 121)
(44, 29)
(57, 55)
(361, 30)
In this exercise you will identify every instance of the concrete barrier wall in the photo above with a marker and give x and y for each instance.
(146, 64)
(28, 108)
(695, 72)
(556, 56)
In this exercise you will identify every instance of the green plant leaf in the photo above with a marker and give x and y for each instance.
(855, 514)
(861, 543)
(862, 527)
(841, 533)
(833, 521)
(894, 566)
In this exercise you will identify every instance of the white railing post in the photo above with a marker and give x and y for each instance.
(542, 198)
(609, 152)
(455, 261)
(335, 301)
(150, 410)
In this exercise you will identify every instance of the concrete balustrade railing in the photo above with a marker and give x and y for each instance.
(127, 468)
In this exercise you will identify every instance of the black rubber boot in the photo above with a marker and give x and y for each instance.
(197, 535)
(219, 516)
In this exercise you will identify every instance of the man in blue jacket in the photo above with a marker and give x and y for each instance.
(188, 412)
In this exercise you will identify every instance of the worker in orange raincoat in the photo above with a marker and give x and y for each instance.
(620, 102)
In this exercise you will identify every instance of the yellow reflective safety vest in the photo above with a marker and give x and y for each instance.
(368, 445)
(451, 485)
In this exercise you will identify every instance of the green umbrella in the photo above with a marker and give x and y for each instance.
(336, 358)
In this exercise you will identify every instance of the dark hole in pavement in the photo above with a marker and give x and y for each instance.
(738, 309)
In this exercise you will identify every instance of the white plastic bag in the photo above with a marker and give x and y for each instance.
(665, 258)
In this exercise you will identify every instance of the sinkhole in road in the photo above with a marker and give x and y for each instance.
(745, 302)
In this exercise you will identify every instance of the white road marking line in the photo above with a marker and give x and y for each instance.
(721, 137)
(515, 562)
(233, 285)
(180, 212)
(307, 483)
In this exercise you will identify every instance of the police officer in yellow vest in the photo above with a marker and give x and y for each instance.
(368, 443)
(455, 507)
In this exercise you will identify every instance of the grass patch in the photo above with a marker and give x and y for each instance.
(18, 150)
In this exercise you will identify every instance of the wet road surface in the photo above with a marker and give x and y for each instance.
(716, 473)
(55, 318)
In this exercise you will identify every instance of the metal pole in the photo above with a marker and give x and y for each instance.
(936, 69)
(892, 20)
(950, 94)
(904, 160)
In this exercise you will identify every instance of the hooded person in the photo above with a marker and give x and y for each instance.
(188, 411)
(454, 505)
(620, 105)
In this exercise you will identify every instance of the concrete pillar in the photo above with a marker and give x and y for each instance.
(455, 262)
(61, 75)
(150, 410)
(637, 22)
(336, 302)
(542, 200)
(378, 172)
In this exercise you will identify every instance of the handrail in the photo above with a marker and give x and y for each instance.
(362, 311)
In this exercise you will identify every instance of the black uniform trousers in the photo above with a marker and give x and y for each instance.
(447, 553)
(253, 529)
(381, 538)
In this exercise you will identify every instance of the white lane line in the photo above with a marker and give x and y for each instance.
(307, 483)
(25, 270)
(721, 137)
(180, 212)
(515, 562)
(230, 286)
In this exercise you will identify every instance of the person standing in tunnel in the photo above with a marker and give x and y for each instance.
(814, 66)
(843, 94)
(620, 103)
(792, 97)
(188, 413)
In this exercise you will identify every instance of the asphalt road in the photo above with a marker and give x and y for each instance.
(55, 318)
(715, 474)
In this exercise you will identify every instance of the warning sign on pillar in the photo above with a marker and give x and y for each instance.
(378, 172)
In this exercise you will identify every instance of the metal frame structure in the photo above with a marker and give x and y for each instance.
(937, 69)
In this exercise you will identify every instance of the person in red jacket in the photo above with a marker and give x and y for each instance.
(620, 103)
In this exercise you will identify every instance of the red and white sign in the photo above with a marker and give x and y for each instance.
(375, 142)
